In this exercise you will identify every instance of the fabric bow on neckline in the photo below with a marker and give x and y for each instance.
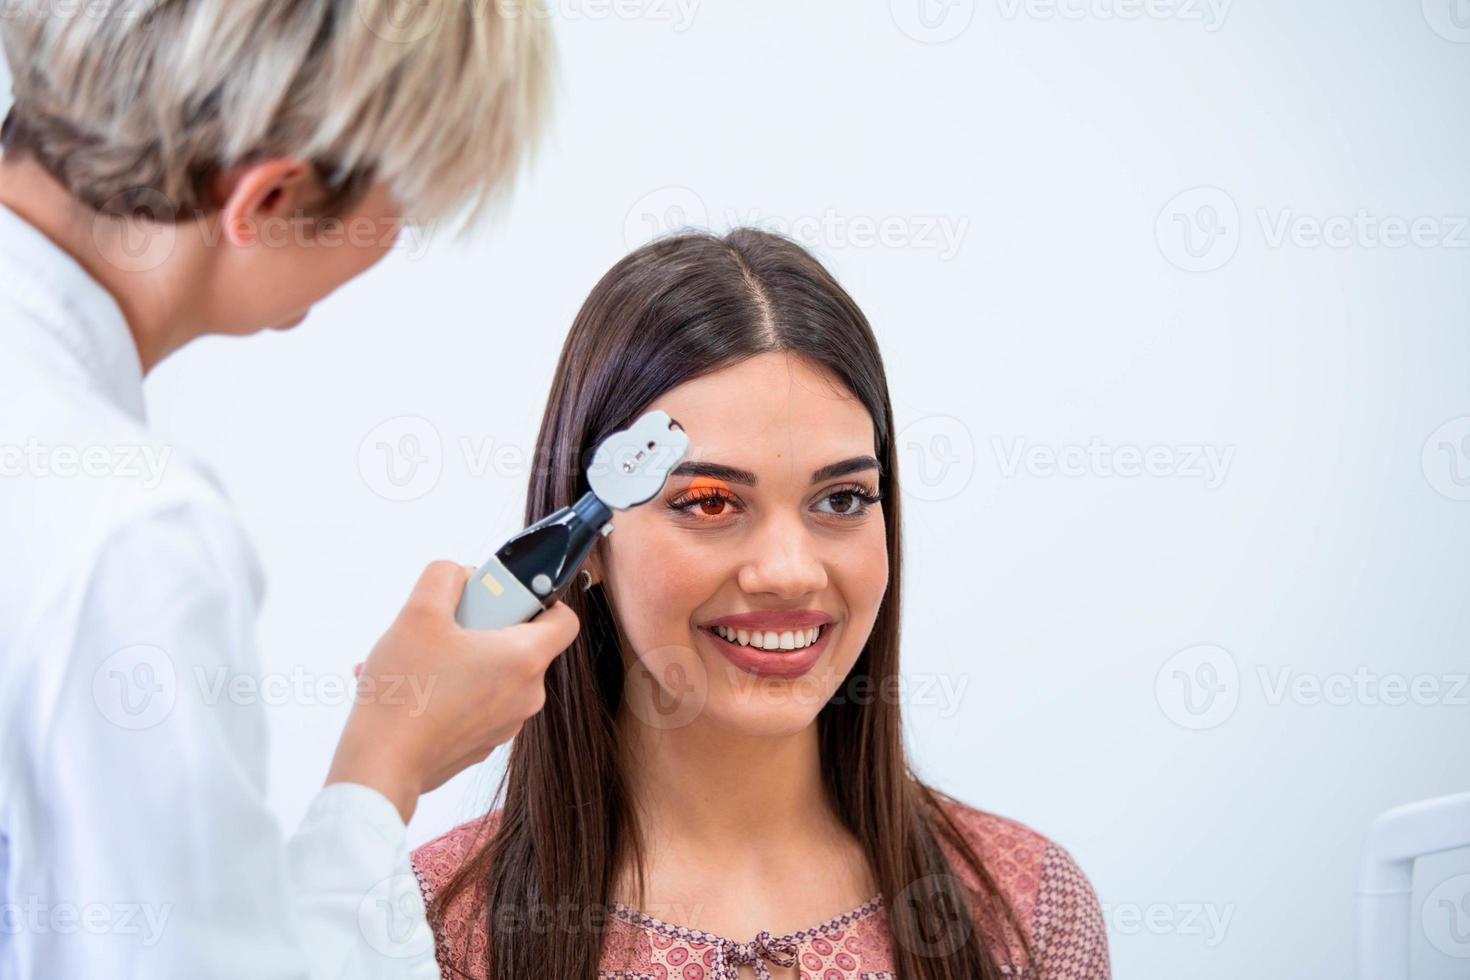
(754, 953)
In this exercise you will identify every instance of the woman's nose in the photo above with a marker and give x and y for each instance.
(784, 561)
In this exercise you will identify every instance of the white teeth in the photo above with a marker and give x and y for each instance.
(770, 639)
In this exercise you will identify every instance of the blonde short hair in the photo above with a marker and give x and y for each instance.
(130, 101)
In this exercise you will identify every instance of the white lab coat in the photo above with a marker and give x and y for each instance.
(135, 840)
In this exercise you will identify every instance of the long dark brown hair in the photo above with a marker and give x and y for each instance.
(672, 311)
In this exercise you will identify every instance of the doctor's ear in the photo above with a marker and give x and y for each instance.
(253, 195)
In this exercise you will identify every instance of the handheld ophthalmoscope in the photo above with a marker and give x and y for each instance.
(526, 575)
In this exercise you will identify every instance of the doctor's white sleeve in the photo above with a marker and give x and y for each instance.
(144, 798)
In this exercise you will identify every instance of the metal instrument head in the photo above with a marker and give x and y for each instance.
(631, 465)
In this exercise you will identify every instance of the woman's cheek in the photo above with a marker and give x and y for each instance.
(871, 581)
(665, 583)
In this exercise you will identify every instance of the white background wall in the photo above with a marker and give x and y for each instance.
(1116, 645)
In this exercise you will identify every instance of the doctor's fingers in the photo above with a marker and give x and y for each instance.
(437, 592)
(537, 642)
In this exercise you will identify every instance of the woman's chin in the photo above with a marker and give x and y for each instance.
(751, 705)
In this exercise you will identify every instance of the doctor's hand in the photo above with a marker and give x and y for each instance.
(434, 698)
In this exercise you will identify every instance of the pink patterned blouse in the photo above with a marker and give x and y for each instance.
(1047, 890)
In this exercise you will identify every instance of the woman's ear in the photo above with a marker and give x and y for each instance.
(594, 564)
(260, 192)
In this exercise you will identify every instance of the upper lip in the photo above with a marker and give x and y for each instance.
(794, 619)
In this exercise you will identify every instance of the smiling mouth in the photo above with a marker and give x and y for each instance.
(772, 641)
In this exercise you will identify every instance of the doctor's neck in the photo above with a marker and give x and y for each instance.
(155, 272)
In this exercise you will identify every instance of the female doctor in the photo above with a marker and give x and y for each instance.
(167, 174)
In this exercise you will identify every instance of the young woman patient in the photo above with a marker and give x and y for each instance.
(716, 786)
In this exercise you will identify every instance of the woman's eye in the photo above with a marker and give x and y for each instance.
(715, 504)
(704, 504)
(848, 502)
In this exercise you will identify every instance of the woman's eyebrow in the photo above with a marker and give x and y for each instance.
(733, 474)
(855, 465)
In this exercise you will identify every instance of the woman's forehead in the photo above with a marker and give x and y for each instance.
(773, 413)
(714, 473)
